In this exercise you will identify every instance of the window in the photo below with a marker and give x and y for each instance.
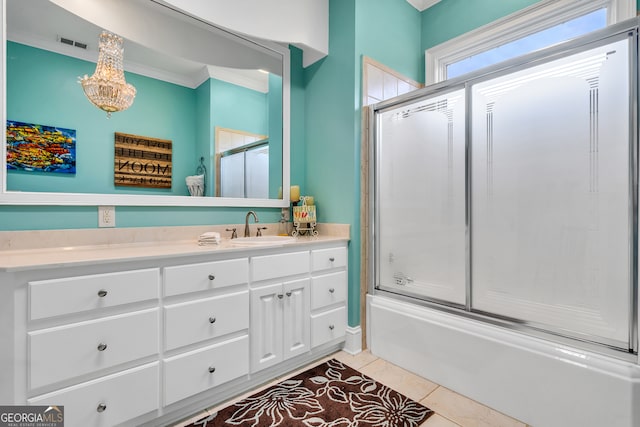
(546, 23)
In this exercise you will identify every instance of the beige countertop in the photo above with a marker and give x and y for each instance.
(27, 250)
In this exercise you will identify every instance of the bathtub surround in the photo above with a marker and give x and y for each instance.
(534, 380)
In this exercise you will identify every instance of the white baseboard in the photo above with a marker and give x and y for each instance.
(353, 344)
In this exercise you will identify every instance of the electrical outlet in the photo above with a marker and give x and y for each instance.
(106, 216)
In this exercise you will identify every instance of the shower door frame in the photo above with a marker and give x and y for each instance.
(625, 30)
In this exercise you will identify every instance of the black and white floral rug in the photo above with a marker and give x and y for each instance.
(328, 395)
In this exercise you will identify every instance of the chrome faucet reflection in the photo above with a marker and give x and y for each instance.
(247, 232)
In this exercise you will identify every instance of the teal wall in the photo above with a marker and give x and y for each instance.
(389, 32)
(298, 116)
(274, 111)
(332, 155)
(250, 108)
(204, 134)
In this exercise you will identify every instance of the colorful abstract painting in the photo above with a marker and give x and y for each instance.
(38, 148)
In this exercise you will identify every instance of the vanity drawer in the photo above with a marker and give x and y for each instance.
(323, 259)
(125, 395)
(328, 326)
(328, 289)
(195, 321)
(68, 295)
(280, 265)
(72, 350)
(183, 279)
(200, 370)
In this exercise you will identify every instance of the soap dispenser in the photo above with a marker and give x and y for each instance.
(282, 226)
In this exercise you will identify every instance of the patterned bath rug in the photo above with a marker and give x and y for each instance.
(328, 395)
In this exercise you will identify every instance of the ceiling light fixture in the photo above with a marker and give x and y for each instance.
(107, 88)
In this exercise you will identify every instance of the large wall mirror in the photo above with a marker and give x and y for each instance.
(199, 86)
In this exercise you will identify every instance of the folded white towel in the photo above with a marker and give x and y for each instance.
(209, 238)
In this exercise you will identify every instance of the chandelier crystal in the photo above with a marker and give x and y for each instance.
(107, 88)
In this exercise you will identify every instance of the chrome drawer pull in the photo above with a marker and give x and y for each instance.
(280, 296)
(101, 407)
(212, 320)
(331, 290)
(212, 369)
(211, 277)
(289, 293)
(102, 293)
(331, 327)
(332, 259)
(102, 347)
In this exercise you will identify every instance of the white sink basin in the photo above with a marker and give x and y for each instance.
(262, 241)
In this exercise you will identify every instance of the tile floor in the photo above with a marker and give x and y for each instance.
(451, 409)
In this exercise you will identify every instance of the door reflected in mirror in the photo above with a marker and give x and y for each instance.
(180, 99)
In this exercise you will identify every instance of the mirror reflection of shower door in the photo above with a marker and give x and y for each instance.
(421, 199)
(245, 173)
(232, 175)
(257, 172)
(551, 221)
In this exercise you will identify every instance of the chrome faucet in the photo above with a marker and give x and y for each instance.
(247, 232)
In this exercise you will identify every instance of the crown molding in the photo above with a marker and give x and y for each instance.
(422, 4)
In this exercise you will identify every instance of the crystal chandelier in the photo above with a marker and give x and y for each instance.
(106, 88)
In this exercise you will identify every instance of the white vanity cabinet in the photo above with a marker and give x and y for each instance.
(147, 341)
(296, 314)
(90, 345)
(206, 339)
(329, 295)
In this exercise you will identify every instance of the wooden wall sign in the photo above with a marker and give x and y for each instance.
(142, 162)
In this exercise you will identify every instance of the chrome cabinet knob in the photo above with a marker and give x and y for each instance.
(102, 293)
(289, 293)
(280, 296)
(212, 369)
(212, 277)
(101, 407)
(331, 327)
(332, 259)
(212, 320)
(102, 347)
(331, 290)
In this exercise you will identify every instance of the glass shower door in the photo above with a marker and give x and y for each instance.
(551, 195)
(420, 187)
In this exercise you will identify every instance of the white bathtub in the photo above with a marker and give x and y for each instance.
(536, 381)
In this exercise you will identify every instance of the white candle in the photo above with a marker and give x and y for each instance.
(295, 193)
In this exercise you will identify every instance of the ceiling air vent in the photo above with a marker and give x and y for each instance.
(70, 42)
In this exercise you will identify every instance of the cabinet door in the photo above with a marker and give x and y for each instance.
(296, 325)
(266, 326)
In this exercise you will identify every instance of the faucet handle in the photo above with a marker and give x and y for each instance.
(259, 232)
(233, 232)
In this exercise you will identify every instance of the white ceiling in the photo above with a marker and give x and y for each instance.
(422, 4)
